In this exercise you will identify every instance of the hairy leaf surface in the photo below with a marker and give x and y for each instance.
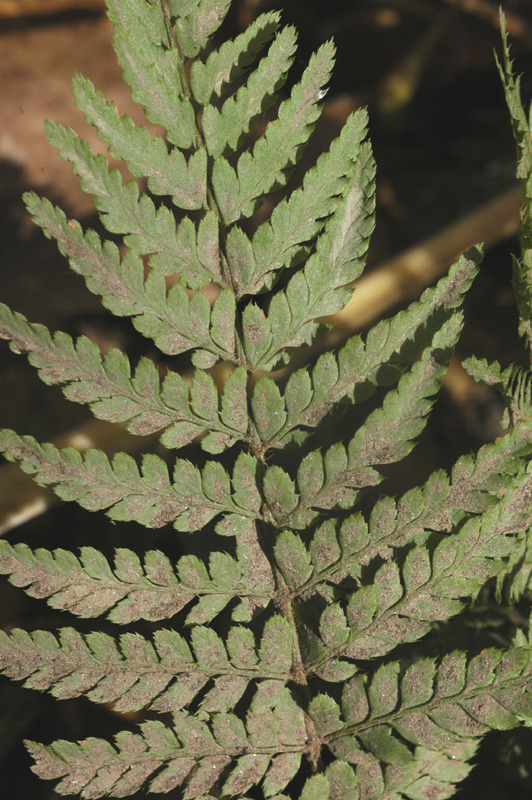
(133, 672)
(190, 500)
(106, 383)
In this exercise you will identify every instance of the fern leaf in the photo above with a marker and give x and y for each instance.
(476, 485)
(133, 672)
(280, 495)
(196, 22)
(282, 241)
(521, 280)
(192, 755)
(149, 230)
(152, 67)
(225, 129)
(489, 373)
(330, 480)
(517, 583)
(155, 589)
(402, 602)
(209, 80)
(268, 165)
(439, 709)
(167, 172)
(175, 320)
(265, 168)
(316, 290)
(514, 384)
(315, 588)
(106, 383)
(520, 124)
(441, 504)
(225, 425)
(190, 501)
(337, 381)
(388, 433)
(429, 705)
(431, 775)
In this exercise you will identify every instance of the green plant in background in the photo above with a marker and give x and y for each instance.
(275, 672)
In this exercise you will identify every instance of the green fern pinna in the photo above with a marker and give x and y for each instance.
(272, 671)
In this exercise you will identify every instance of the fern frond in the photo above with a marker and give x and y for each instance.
(284, 137)
(317, 587)
(431, 775)
(154, 589)
(398, 731)
(522, 268)
(513, 383)
(476, 486)
(387, 435)
(183, 249)
(225, 129)
(517, 392)
(196, 22)
(193, 754)
(268, 165)
(190, 501)
(330, 479)
(283, 240)
(164, 675)
(481, 370)
(512, 91)
(210, 80)
(515, 387)
(175, 319)
(403, 601)
(153, 68)
(107, 385)
(442, 504)
(317, 289)
(427, 705)
(335, 382)
(433, 583)
(167, 172)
